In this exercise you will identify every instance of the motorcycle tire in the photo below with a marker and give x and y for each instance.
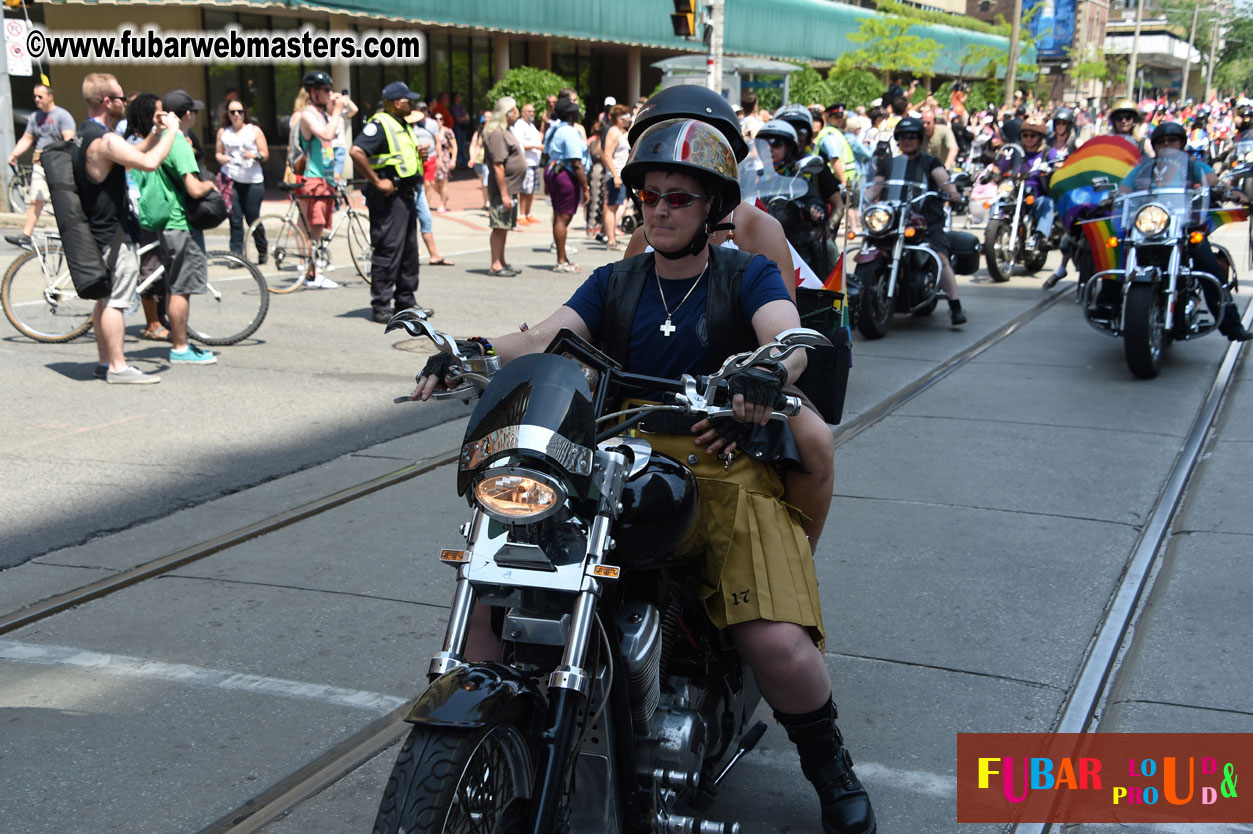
(1034, 261)
(874, 308)
(928, 308)
(995, 239)
(1144, 339)
(459, 781)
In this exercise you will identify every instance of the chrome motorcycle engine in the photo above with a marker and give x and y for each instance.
(640, 649)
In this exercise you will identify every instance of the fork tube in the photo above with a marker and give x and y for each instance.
(453, 653)
(1172, 287)
(898, 249)
(1013, 228)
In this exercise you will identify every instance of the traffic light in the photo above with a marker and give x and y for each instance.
(683, 20)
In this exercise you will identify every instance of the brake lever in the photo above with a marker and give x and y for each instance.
(417, 324)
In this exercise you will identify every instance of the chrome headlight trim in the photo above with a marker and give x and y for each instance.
(574, 458)
(1152, 220)
(878, 218)
(550, 493)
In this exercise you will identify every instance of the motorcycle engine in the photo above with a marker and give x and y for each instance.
(640, 649)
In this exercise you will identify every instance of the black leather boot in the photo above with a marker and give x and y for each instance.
(1230, 325)
(827, 764)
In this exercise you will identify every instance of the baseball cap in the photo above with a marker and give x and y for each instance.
(398, 90)
(610, 101)
(180, 101)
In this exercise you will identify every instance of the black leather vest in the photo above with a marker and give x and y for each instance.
(729, 332)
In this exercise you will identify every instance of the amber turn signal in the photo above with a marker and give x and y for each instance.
(910, 232)
(1111, 243)
(1196, 237)
(455, 557)
(1030, 200)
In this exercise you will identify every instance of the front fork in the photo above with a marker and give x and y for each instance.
(1013, 228)
(898, 251)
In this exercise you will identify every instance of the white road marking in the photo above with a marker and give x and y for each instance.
(138, 667)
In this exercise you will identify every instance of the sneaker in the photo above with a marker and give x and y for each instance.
(192, 356)
(20, 241)
(101, 371)
(320, 282)
(1051, 281)
(566, 267)
(955, 314)
(570, 250)
(130, 375)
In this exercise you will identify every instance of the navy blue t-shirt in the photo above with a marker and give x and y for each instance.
(686, 350)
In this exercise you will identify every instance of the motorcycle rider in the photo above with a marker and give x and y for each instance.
(750, 229)
(1244, 121)
(686, 176)
(821, 202)
(930, 172)
(1123, 120)
(1032, 135)
(1199, 141)
(1062, 145)
(803, 122)
(1172, 135)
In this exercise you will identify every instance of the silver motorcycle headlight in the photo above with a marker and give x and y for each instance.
(1248, 157)
(878, 219)
(518, 496)
(1152, 220)
(1006, 187)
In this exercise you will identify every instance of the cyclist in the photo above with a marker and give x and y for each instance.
(46, 125)
(317, 130)
(387, 153)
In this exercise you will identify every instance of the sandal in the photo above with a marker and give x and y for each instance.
(566, 267)
(159, 334)
(617, 245)
(441, 262)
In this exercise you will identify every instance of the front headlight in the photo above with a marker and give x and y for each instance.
(1152, 220)
(878, 219)
(518, 496)
(1248, 157)
(1006, 187)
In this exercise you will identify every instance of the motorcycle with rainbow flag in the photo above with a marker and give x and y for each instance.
(1155, 277)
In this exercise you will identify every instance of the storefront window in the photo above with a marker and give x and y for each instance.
(459, 66)
(481, 68)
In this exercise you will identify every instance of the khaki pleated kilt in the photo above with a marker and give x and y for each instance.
(751, 550)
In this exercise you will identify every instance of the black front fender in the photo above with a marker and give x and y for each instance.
(471, 696)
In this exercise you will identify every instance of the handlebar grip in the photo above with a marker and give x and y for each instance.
(791, 406)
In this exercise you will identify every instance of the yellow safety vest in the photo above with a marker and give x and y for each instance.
(402, 147)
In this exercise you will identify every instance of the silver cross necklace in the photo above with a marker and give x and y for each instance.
(668, 328)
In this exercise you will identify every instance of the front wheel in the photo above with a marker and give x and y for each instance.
(874, 307)
(996, 246)
(459, 782)
(39, 297)
(281, 248)
(235, 305)
(17, 196)
(359, 245)
(1144, 339)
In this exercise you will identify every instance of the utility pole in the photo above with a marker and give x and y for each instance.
(713, 33)
(1213, 55)
(1135, 52)
(1187, 62)
(6, 120)
(1011, 67)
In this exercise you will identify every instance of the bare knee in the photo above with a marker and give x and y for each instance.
(774, 648)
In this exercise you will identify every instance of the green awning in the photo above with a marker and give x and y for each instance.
(793, 30)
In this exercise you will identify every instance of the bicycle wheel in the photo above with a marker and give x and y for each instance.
(359, 245)
(286, 254)
(17, 195)
(235, 305)
(39, 298)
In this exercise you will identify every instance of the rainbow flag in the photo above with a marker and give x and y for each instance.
(1221, 217)
(835, 281)
(1098, 232)
(1103, 156)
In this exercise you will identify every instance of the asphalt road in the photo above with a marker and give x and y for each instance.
(976, 536)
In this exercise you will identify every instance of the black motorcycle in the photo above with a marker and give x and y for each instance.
(1008, 239)
(617, 704)
(1156, 296)
(897, 270)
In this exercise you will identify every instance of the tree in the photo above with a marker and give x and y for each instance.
(890, 48)
(807, 87)
(528, 85)
(853, 87)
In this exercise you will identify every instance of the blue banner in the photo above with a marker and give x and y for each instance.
(1054, 25)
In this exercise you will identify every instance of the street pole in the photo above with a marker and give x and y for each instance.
(713, 62)
(1187, 61)
(7, 139)
(1011, 67)
(1135, 51)
(1213, 55)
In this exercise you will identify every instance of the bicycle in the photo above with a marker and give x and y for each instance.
(287, 240)
(39, 299)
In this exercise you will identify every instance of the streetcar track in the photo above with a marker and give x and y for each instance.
(1098, 671)
(364, 745)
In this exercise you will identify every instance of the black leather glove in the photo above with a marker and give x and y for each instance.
(437, 366)
(760, 384)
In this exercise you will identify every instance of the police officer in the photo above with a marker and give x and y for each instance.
(386, 151)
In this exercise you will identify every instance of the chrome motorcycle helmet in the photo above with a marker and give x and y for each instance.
(697, 149)
(801, 120)
(779, 129)
(691, 101)
(1064, 114)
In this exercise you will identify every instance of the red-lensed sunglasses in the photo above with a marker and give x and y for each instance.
(674, 199)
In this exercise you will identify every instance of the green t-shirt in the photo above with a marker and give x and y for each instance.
(166, 183)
